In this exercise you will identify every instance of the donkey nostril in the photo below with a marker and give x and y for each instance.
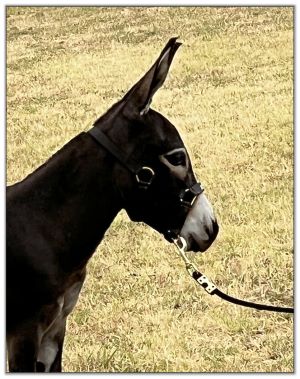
(215, 228)
(206, 229)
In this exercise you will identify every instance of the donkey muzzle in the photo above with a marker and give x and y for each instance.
(200, 228)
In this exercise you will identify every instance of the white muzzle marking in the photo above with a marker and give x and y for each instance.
(200, 224)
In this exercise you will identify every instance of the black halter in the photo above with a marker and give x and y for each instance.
(144, 175)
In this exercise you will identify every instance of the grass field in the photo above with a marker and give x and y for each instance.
(230, 93)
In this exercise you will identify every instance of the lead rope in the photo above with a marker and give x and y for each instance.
(212, 289)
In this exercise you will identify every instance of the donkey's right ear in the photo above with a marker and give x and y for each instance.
(139, 97)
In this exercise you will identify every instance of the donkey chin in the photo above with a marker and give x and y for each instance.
(200, 228)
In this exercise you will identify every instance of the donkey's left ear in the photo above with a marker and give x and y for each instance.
(139, 97)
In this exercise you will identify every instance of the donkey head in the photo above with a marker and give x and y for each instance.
(153, 172)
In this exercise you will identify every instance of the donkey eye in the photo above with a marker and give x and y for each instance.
(176, 159)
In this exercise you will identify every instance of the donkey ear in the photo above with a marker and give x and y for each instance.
(140, 95)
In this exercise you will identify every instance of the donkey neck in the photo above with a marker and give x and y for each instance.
(75, 189)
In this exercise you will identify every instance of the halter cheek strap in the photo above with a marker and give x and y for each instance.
(105, 142)
(144, 175)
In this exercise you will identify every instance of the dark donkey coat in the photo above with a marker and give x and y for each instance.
(57, 216)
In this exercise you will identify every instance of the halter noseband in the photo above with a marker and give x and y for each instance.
(144, 175)
(188, 196)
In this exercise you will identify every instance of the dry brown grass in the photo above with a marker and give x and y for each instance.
(230, 92)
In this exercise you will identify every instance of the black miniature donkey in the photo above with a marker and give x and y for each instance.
(134, 159)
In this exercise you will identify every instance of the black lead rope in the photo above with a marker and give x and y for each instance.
(262, 307)
(211, 288)
(144, 176)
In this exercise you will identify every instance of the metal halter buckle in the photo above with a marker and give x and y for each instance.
(187, 198)
(189, 195)
(145, 176)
